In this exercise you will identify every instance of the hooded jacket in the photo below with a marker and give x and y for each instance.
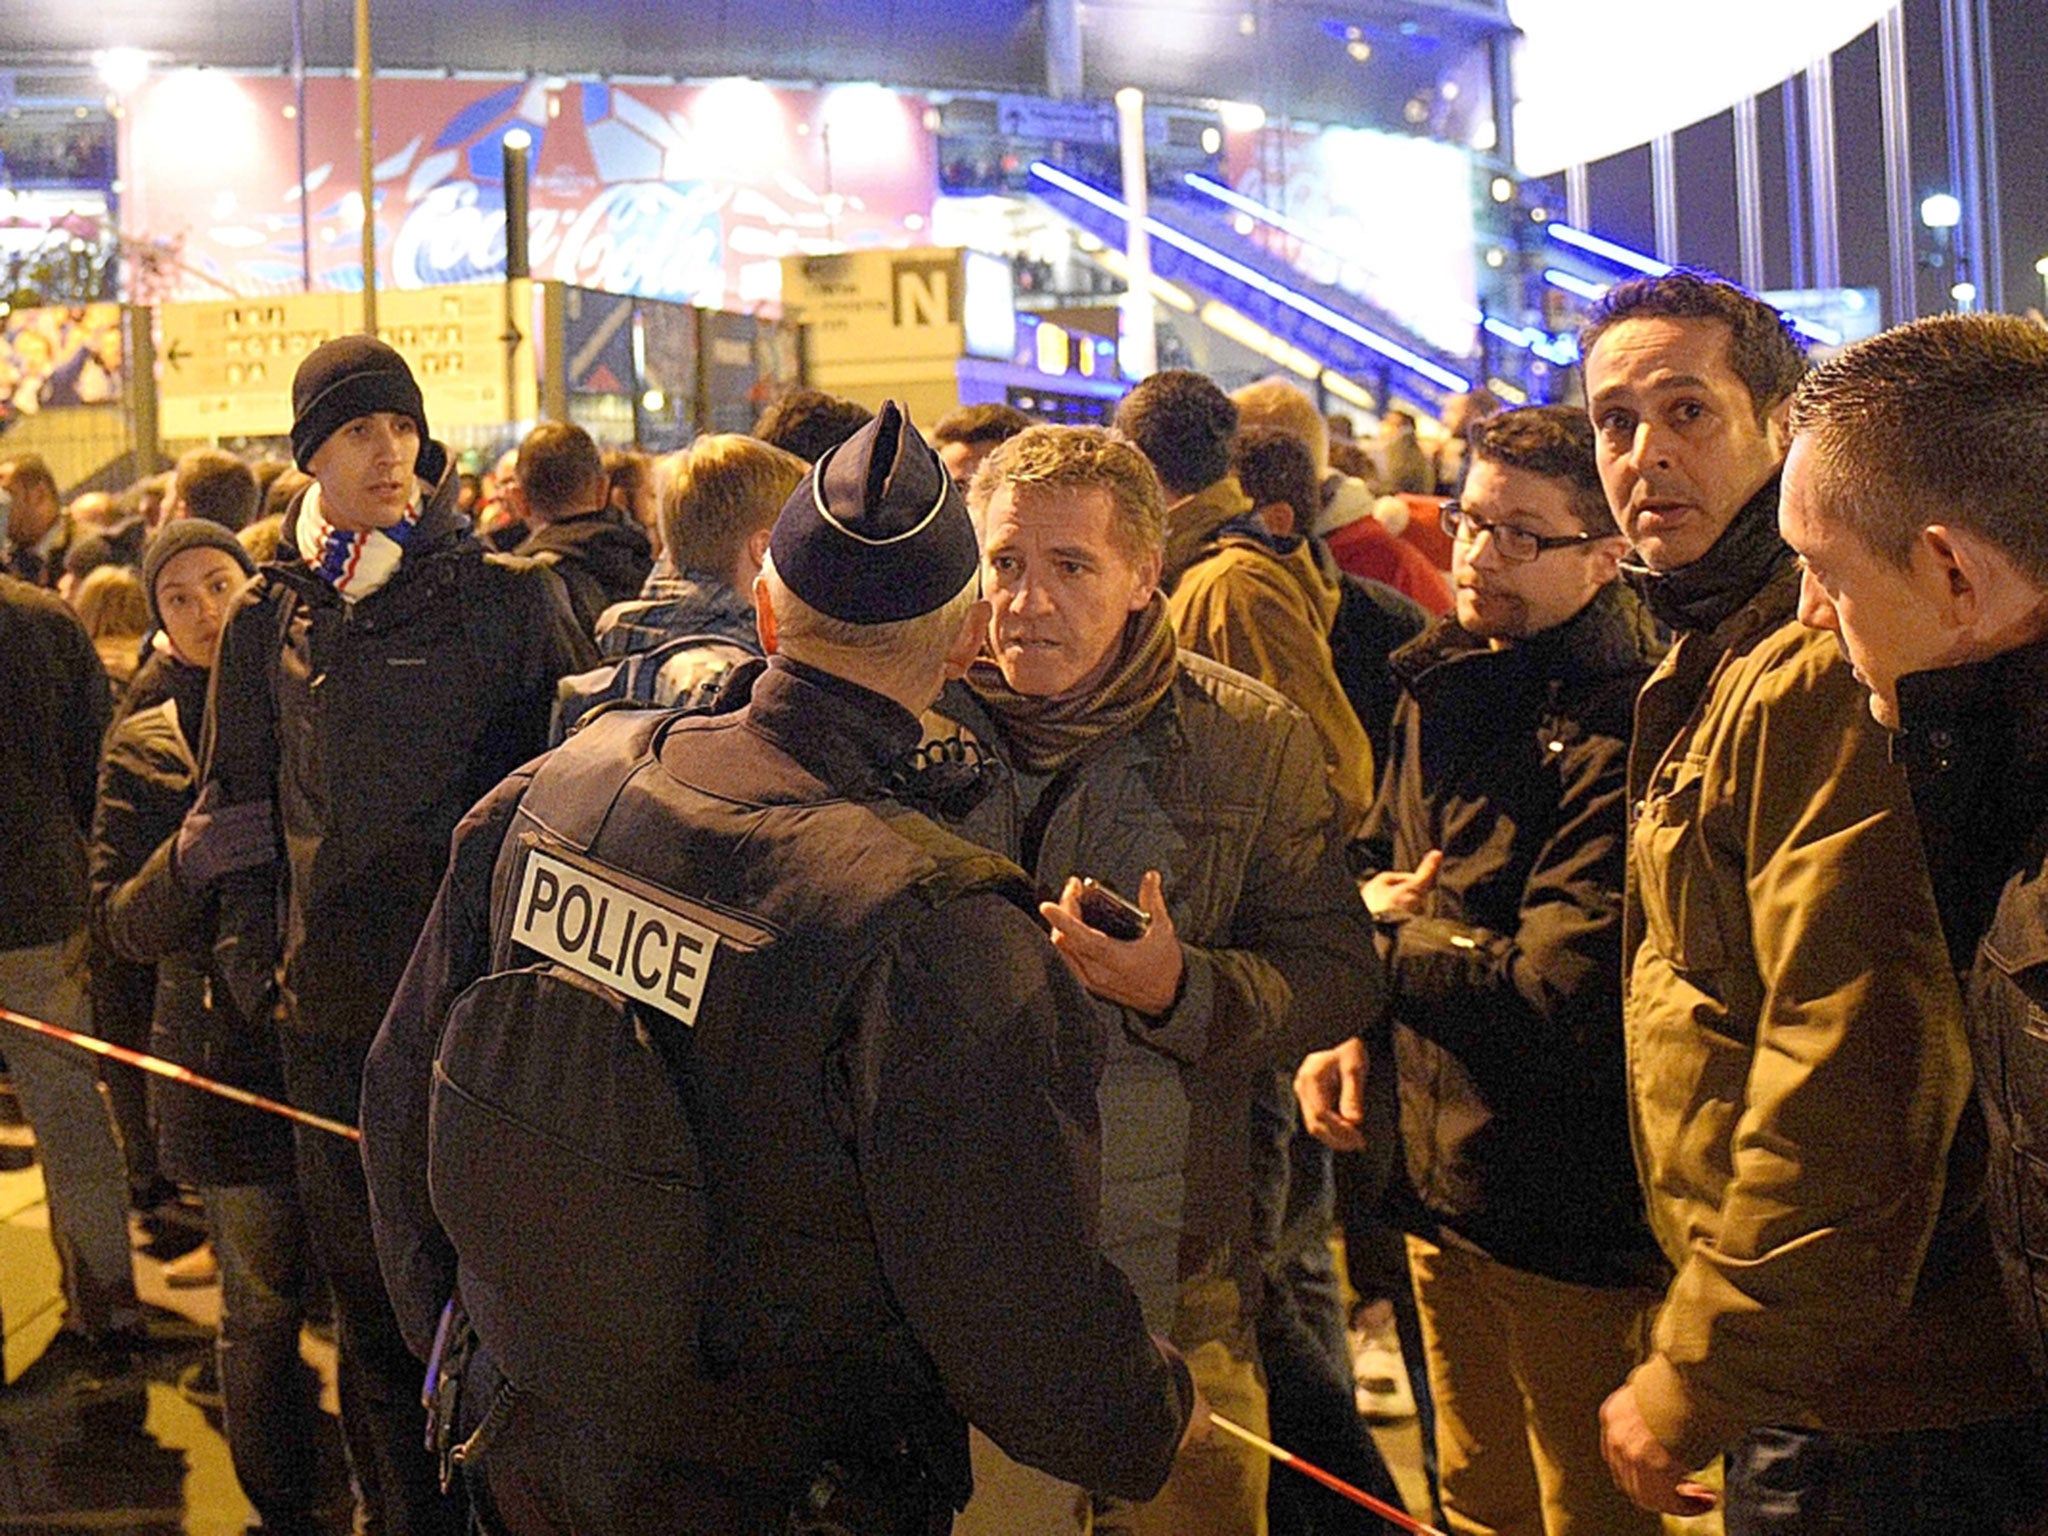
(370, 727)
(1507, 987)
(602, 558)
(1264, 607)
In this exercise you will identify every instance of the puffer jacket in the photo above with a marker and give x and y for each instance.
(1507, 986)
(1974, 744)
(1263, 606)
(1220, 788)
(142, 914)
(371, 727)
(1797, 1060)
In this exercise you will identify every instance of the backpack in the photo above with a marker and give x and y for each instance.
(684, 673)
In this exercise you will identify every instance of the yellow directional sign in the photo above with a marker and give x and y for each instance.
(225, 368)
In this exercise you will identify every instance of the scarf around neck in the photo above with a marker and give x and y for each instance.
(1707, 592)
(1045, 735)
(355, 564)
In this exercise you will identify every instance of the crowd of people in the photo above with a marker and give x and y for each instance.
(893, 981)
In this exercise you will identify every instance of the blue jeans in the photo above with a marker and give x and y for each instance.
(259, 1236)
(1986, 1479)
(83, 1174)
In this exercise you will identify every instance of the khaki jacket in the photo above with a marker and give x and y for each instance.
(1266, 614)
(1798, 1067)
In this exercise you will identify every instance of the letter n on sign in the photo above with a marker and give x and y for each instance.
(925, 292)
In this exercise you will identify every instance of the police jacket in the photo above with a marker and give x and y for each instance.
(1974, 742)
(1507, 985)
(142, 914)
(370, 727)
(890, 1077)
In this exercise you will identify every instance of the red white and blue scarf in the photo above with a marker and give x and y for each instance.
(354, 563)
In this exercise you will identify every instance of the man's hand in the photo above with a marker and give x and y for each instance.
(1330, 1087)
(1142, 973)
(1643, 1469)
(1403, 892)
(1198, 1430)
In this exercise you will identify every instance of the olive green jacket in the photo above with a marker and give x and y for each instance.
(1797, 1063)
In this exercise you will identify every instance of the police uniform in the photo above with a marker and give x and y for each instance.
(887, 1077)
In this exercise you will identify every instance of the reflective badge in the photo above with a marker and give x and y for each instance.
(618, 938)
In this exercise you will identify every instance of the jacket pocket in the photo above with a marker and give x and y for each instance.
(1674, 876)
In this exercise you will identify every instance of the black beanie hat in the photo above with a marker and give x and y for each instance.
(353, 376)
(187, 533)
(877, 531)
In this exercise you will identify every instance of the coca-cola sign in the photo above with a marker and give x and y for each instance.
(691, 193)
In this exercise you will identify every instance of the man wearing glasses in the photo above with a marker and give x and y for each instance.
(1500, 830)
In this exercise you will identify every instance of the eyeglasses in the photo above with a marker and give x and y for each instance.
(1515, 544)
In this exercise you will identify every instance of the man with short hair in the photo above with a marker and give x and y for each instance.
(1913, 499)
(675, 645)
(809, 423)
(964, 437)
(1498, 845)
(1200, 794)
(213, 484)
(370, 685)
(1798, 1068)
(890, 1081)
(38, 531)
(600, 553)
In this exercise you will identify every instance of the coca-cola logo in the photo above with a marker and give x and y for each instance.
(656, 239)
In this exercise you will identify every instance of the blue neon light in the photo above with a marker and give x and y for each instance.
(1636, 261)
(1607, 250)
(1301, 304)
(1576, 286)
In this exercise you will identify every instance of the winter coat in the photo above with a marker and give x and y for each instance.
(1507, 987)
(371, 727)
(1264, 607)
(1220, 788)
(144, 915)
(1797, 1060)
(1974, 743)
(602, 558)
(54, 704)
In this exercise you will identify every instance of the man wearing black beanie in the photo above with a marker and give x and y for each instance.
(371, 684)
(878, 1219)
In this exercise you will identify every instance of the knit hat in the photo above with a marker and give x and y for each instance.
(877, 532)
(353, 376)
(187, 533)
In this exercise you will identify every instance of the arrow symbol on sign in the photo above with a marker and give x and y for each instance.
(175, 354)
(512, 335)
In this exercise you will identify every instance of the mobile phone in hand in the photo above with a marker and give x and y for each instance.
(1105, 911)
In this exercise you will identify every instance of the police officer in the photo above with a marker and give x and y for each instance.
(877, 1163)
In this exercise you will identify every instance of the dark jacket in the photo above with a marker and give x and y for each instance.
(144, 915)
(54, 704)
(1507, 988)
(891, 1085)
(371, 727)
(673, 647)
(1221, 789)
(1974, 742)
(602, 558)
(669, 605)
